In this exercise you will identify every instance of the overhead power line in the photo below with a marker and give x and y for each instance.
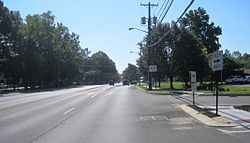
(166, 11)
(156, 7)
(164, 4)
(171, 27)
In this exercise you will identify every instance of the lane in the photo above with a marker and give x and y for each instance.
(125, 114)
(109, 115)
(26, 124)
(13, 103)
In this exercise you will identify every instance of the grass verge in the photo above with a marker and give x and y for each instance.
(223, 90)
(236, 89)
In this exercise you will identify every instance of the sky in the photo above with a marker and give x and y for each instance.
(103, 25)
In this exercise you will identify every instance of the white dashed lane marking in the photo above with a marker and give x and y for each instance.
(68, 111)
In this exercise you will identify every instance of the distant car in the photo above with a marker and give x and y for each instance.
(111, 83)
(133, 82)
(235, 79)
(247, 79)
(125, 82)
(3, 85)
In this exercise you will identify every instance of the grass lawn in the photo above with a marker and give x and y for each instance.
(165, 88)
(228, 90)
(235, 89)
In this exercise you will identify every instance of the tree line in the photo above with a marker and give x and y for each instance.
(188, 46)
(38, 52)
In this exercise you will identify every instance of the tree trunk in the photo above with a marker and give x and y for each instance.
(159, 82)
(186, 84)
(171, 82)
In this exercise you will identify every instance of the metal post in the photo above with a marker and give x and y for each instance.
(193, 98)
(216, 97)
(217, 91)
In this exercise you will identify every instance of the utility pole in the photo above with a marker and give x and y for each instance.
(150, 62)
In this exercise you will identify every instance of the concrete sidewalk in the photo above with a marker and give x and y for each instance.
(240, 117)
(229, 116)
(213, 122)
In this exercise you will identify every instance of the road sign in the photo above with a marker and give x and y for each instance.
(193, 86)
(217, 61)
(193, 76)
(152, 68)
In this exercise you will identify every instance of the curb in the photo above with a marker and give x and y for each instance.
(212, 122)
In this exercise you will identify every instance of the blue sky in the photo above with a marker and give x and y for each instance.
(103, 25)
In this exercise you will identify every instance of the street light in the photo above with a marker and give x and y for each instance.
(131, 28)
(134, 52)
(149, 51)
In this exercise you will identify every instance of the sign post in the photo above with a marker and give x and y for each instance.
(217, 66)
(193, 83)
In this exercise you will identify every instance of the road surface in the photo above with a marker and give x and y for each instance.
(104, 114)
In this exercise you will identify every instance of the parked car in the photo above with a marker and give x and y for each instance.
(247, 79)
(235, 79)
(125, 82)
(3, 85)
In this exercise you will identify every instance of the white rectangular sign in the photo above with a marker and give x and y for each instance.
(193, 86)
(217, 61)
(192, 76)
(152, 68)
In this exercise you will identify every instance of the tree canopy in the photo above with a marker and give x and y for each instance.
(39, 52)
(131, 73)
(187, 46)
(101, 69)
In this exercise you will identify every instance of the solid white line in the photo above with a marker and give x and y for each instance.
(231, 132)
(68, 111)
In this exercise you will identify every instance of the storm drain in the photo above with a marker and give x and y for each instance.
(153, 118)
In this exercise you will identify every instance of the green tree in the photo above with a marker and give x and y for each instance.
(10, 40)
(231, 65)
(131, 73)
(142, 61)
(101, 69)
(187, 55)
(204, 41)
(162, 52)
(39, 52)
(206, 32)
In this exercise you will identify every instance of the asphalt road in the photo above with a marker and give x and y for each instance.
(103, 114)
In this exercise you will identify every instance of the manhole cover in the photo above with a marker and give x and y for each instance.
(153, 118)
